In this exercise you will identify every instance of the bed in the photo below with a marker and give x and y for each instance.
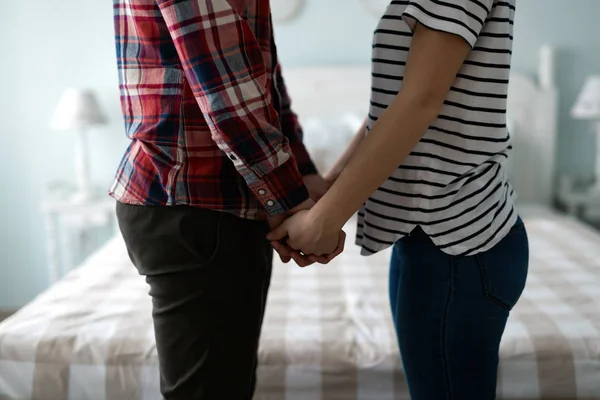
(328, 332)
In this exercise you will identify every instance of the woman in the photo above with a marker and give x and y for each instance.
(460, 255)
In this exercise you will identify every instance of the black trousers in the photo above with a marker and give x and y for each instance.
(209, 274)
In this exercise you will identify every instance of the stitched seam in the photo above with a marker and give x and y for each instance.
(218, 245)
(481, 264)
(444, 331)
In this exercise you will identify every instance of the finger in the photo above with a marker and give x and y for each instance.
(284, 258)
(302, 261)
(297, 245)
(319, 259)
(342, 240)
(340, 247)
(283, 251)
(278, 233)
(326, 259)
(286, 251)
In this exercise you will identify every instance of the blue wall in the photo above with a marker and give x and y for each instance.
(47, 47)
(576, 35)
(53, 45)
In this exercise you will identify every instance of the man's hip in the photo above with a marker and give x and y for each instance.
(209, 274)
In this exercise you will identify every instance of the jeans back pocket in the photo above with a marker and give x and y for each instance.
(504, 267)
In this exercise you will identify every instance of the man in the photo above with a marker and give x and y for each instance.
(215, 150)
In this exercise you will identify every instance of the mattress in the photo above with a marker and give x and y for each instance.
(327, 333)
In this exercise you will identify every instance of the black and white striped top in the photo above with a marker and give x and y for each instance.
(454, 184)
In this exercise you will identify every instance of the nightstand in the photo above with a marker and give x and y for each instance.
(75, 229)
(579, 200)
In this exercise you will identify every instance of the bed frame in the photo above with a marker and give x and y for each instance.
(335, 92)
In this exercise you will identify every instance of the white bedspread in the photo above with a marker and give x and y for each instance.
(327, 333)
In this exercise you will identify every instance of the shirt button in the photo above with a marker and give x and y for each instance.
(270, 203)
(262, 192)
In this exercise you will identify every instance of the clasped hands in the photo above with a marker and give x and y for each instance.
(304, 237)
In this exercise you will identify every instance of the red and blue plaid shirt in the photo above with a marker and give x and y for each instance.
(206, 109)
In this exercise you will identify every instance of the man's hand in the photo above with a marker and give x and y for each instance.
(285, 252)
(317, 186)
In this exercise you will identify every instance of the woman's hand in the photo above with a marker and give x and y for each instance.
(286, 254)
(310, 236)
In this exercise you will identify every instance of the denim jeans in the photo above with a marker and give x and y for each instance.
(450, 313)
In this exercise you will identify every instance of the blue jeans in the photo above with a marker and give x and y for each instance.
(450, 313)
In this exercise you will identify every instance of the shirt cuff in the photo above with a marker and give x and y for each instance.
(282, 189)
(305, 164)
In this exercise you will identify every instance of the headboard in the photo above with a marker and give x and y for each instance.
(334, 93)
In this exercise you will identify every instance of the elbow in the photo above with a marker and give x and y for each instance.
(422, 104)
(427, 105)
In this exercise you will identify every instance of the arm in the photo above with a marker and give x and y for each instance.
(434, 60)
(433, 63)
(224, 66)
(337, 168)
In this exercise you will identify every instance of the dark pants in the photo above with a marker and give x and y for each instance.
(450, 313)
(209, 275)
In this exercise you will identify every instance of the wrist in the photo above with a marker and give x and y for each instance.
(280, 190)
(305, 205)
(331, 175)
(329, 220)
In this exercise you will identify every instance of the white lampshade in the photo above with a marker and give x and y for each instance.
(77, 109)
(588, 103)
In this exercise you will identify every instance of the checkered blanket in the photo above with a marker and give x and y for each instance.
(327, 334)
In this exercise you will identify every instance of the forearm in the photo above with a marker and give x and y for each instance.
(377, 156)
(261, 154)
(337, 168)
(433, 62)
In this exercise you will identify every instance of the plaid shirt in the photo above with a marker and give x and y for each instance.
(206, 109)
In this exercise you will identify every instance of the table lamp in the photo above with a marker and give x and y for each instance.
(79, 110)
(588, 107)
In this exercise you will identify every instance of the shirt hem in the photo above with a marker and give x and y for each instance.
(250, 215)
(369, 247)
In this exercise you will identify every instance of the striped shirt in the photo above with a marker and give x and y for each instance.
(454, 184)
